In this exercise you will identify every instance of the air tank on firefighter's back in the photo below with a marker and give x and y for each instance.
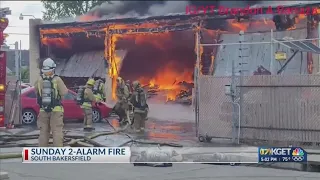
(46, 93)
(80, 94)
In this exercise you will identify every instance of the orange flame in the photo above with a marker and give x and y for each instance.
(265, 21)
(86, 18)
(57, 42)
(238, 26)
(114, 60)
(168, 78)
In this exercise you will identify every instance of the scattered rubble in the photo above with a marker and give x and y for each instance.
(184, 96)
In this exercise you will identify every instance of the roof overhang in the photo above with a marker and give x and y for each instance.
(170, 22)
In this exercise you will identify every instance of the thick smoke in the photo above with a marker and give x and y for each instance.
(124, 9)
(168, 7)
(138, 8)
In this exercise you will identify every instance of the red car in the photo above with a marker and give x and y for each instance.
(25, 85)
(30, 108)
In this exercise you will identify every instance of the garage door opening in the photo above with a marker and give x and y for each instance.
(163, 63)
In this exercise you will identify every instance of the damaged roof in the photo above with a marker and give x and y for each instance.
(256, 55)
(86, 64)
(179, 16)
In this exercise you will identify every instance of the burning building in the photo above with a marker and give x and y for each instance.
(159, 51)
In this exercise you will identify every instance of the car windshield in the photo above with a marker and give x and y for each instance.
(25, 90)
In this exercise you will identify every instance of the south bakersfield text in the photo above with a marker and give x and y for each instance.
(73, 154)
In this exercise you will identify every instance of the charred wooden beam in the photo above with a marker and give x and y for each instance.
(122, 31)
(175, 17)
(97, 25)
(152, 30)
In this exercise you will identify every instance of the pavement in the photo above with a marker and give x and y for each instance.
(18, 171)
(170, 127)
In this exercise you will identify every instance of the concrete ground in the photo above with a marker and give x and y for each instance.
(18, 171)
(174, 124)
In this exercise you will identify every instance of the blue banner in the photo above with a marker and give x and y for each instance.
(282, 154)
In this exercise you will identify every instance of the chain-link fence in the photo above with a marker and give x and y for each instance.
(260, 107)
(280, 108)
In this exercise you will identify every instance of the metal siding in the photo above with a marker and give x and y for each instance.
(60, 65)
(258, 54)
(83, 65)
(86, 64)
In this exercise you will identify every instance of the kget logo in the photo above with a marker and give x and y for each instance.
(297, 152)
(274, 151)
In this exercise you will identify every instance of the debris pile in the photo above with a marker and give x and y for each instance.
(182, 94)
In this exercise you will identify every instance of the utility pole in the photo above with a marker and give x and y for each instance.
(16, 59)
(272, 63)
(20, 81)
(17, 53)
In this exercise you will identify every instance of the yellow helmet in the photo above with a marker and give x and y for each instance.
(119, 80)
(90, 82)
(136, 84)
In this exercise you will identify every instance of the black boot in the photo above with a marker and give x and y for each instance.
(88, 128)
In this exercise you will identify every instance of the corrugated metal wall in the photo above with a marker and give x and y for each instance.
(84, 64)
(258, 54)
(273, 108)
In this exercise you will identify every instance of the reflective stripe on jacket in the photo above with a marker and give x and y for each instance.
(88, 99)
(55, 88)
(86, 105)
(99, 97)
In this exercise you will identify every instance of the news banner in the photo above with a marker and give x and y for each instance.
(151, 154)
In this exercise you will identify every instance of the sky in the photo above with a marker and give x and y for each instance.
(20, 28)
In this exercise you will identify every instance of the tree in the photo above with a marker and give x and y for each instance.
(55, 10)
(25, 74)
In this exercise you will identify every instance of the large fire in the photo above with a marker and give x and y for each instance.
(168, 79)
(154, 59)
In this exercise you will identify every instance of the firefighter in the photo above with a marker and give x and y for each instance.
(141, 108)
(121, 108)
(86, 100)
(98, 89)
(50, 90)
(128, 84)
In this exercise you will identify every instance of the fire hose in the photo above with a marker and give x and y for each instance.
(70, 140)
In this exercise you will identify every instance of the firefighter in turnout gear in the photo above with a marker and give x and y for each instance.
(87, 98)
(141, 108)
(128, 84)
(50, 90)
(122, 107)
(98, 89)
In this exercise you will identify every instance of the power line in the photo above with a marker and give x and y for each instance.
(19, 26)
(18, 34)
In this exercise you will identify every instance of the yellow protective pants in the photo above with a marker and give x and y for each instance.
(50, 121)
(87, 121)
(121, 108)
(139, 121)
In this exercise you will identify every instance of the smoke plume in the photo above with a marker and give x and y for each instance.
(137, 8)
(127, 9)
(123, 9)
